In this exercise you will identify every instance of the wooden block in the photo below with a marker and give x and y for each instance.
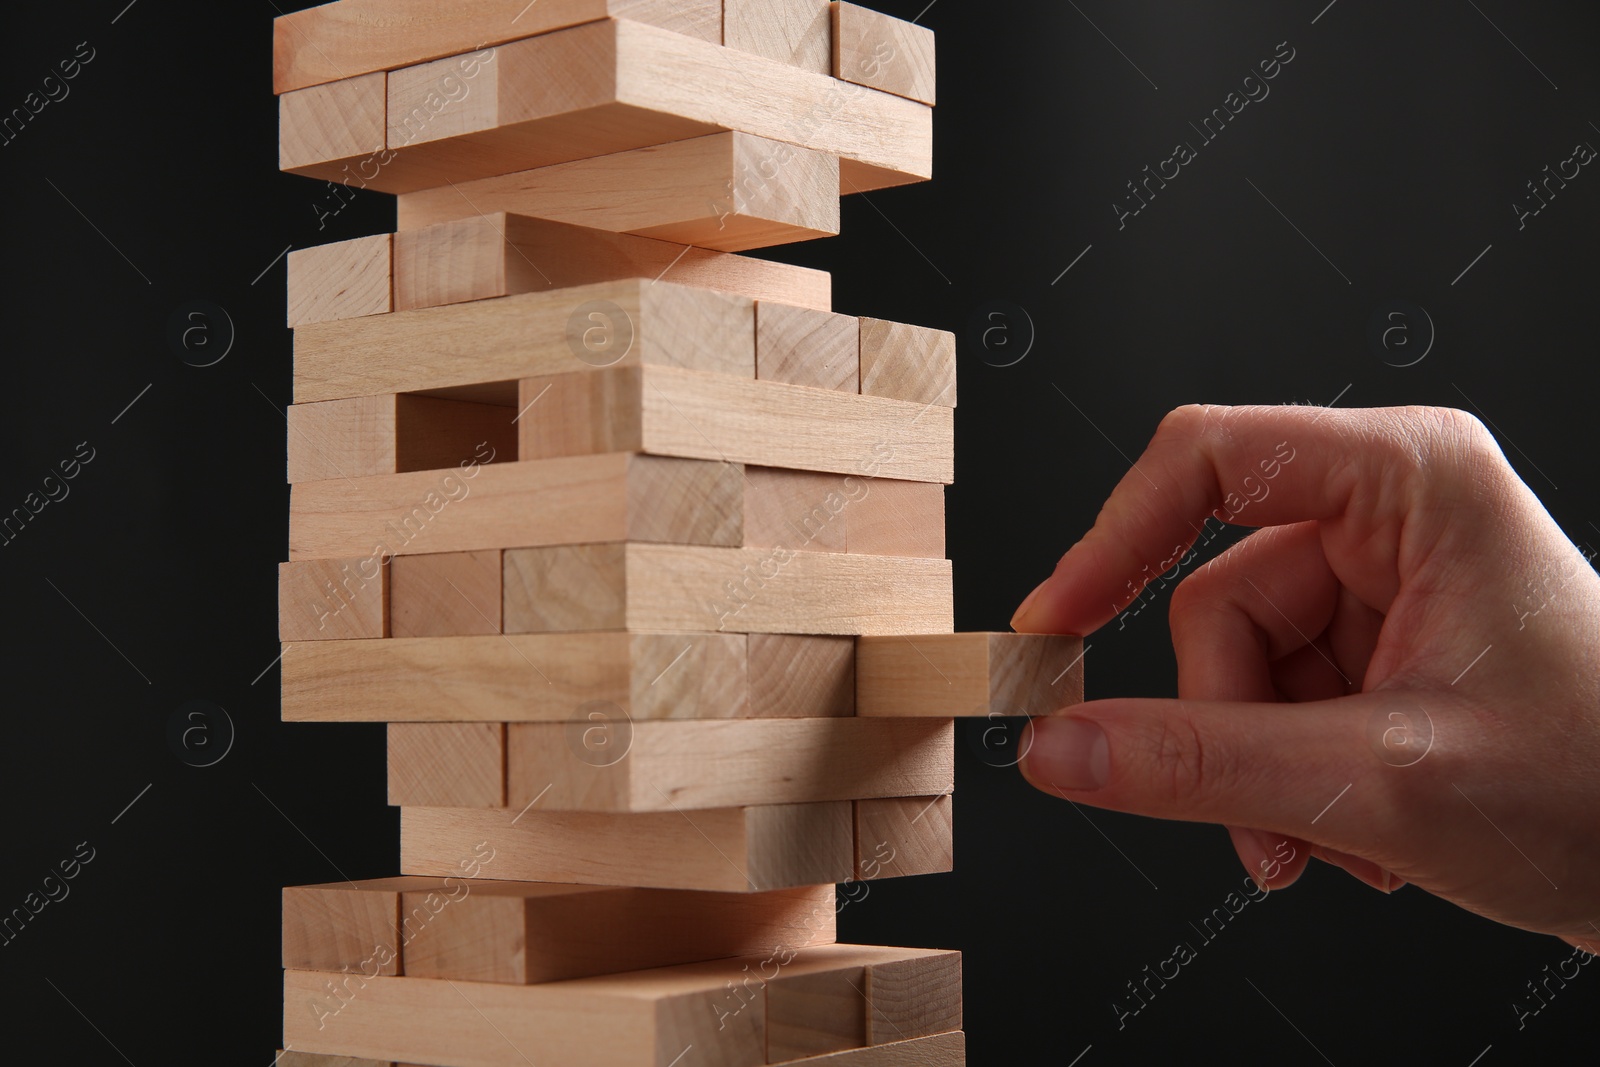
(796, 32)
(312, 1059)
(446, 594)
(976, 674)
(527, 932)
(829, 513)
(876, 50)
(338, 40)
(748, 590)
(333, 599)
(735, 850)
(801, 676)
(676, 766)
(901, 836)
(812, 1014)
(526, 335)
(342, 280)
(586, 498)
(351, 926)
(501, 254)
(941, 1050)
(908, 362)
(803, 346)
(913, 997)
(447, 764)
(330, 131)
(671, 412)
(341, 438)
(728, 191)
(518, 678)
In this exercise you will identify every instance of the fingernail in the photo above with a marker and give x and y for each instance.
(1068, 753)
(1027, 602)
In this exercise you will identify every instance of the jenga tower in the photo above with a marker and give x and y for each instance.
(634, 543)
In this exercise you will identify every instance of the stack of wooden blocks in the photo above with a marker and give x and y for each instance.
(635, 545)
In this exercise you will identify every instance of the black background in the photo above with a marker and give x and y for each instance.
(1396, 141)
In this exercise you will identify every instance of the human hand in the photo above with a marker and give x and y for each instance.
(1436, 632)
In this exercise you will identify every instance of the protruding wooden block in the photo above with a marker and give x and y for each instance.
(977, 674)
(527, 932)
(614, 323)
(821, 512)
(445, 594)
(727, 191)
(901, 836)
(341, 438)
(796, 676)
(676, 766)
(796, 32)
(518, 678)
(501, 254)
(803, 346)
(735, 850)
(812, 1014)
(588, 498)
(447, 764)
(330, 599)
(908, 362)
(342, 280)
(913, 997)
(874, 49)
(348, 926)
(749, 590)
(672, 412)
(329, 131)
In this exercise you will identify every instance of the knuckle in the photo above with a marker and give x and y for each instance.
(1183, 766)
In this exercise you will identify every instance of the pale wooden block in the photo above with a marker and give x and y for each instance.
(526, 335)
(347, 925)
(502, 254)
(796, 32)
(976, 674)
(727, 191)
(748, 590)
(913, 997)
(908, 362)
(877, 50)
(518, 678)
(676, 766)
(803, 346)
(801, 676)
(342, 280)
(527, 932)
(735, 850)
(897, 518)
(829, 513)
(332, 599)
(327, 131)
(940, 1050)
(447, 764)
(339, 40)
(348, 438)
(611, 497)
(813, 1014)
(446, 594)
(671, 412)
(901, 836)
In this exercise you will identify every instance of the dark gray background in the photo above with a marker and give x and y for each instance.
(1396, 142)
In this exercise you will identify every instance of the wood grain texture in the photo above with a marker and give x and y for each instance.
(941, 1050)
(354, 925)
(801, 676)
(812, 1014)
(332, 599)
(328, 131)
(351, 37)
(445, 594)
(671, 412)
(913, 997)
(901, 836)
(727, 191)
(678, 766)
(877, 50)
(796, 32)
(976, 674)
(752, 590)
(526, 335)
(735, 850)
(342, 280)
(592, 498)
(832, 513)
(518, 678)
(447, 764)
(804, 346)
(502, 254)
(908, 362)
(349, 438)
(527, 932)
